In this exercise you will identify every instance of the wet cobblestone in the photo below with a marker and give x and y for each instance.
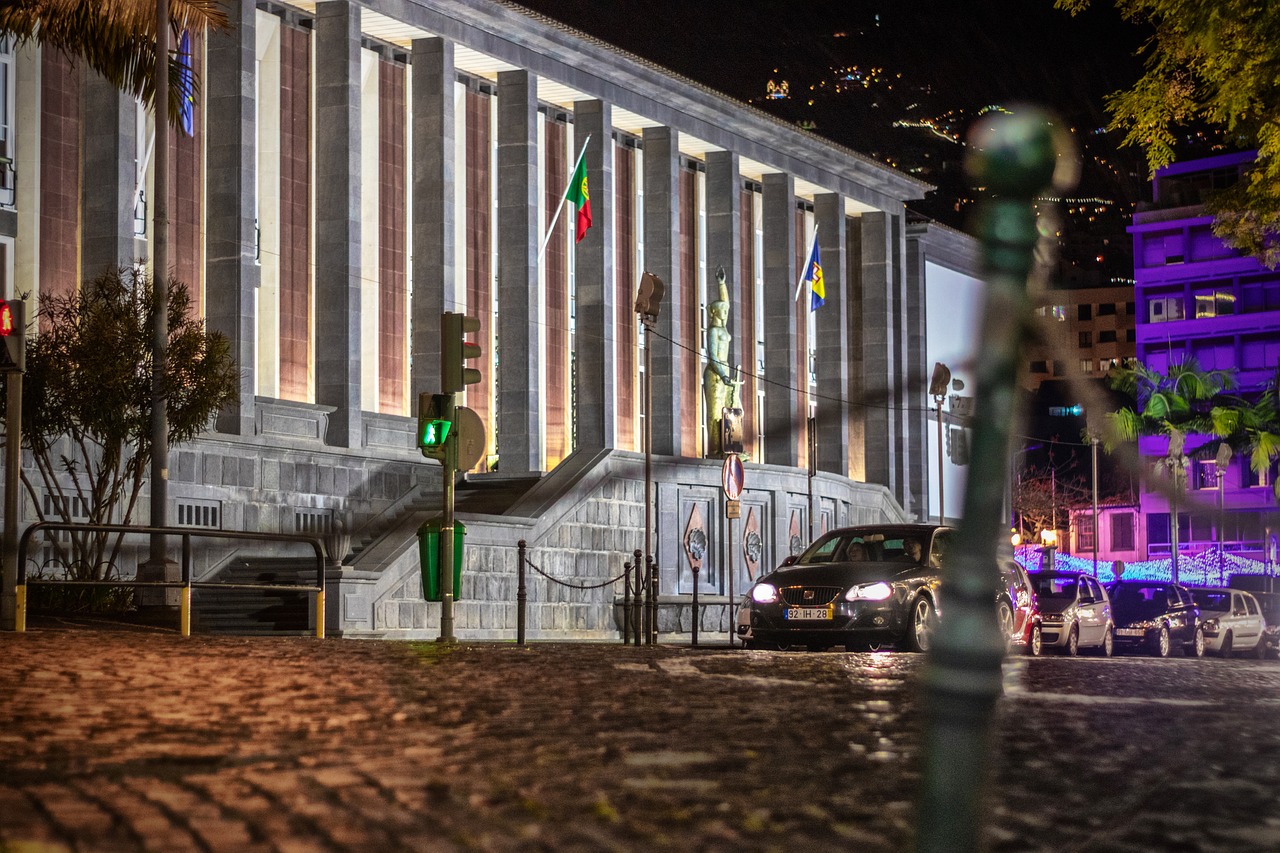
(142, 740)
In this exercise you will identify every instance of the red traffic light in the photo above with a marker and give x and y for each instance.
(13, 333)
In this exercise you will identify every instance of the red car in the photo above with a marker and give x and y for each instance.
(1017, 609)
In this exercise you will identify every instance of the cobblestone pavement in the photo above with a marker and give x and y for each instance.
(142, 740)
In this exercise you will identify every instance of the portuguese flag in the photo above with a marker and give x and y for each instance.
(577, 193)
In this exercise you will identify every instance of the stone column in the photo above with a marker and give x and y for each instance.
(337, 229)
(831, 330)
(595, 287)
(435, 284)
(110, 148)
(919, 412)
(662, 258)
(784, 413)
(231, 271)
(879, 339)
(519, 425)
(907, 386)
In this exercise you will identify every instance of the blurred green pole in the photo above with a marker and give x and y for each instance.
(1013, 158)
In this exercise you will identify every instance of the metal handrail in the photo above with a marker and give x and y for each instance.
(186, 584)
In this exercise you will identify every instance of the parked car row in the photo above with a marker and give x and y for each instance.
(880, 585)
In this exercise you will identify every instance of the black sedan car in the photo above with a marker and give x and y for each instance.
(859, 587)
(1156, 617)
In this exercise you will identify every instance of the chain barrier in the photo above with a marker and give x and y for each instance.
(574, 585)
(630, 618)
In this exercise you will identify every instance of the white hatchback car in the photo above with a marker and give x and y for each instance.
(1233, 621)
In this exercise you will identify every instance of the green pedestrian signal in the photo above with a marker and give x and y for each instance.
(435, 422)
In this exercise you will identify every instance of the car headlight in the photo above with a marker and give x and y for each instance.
(1210, 624)
(877, 591)
(764, 593)
(1054, 618)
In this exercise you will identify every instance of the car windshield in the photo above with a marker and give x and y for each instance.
(1055, 587)
(864, 544)
(1136, 601)
(1209, 599)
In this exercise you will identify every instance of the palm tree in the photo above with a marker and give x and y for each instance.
(1186, 400)
(116, 38)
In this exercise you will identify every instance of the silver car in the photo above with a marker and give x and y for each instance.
(1075, 612)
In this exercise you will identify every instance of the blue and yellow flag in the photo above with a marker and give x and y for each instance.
(813, 275)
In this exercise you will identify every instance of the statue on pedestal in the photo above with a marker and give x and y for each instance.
(718, 385)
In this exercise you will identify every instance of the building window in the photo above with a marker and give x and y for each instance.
(1214, 303)
(1130, 335)
(1122, 531)
(1084, 312)
(7, 146)
(1107, 309)
(1131, 308)
(1084, 533)
(1060, 313)
(1086, 365)
(1107, 337)
(1059, 368)
(1039, 367)
(1164, 309)
(1086, 340)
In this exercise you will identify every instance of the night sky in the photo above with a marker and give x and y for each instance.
(968, 53)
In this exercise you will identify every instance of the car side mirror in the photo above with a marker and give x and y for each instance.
(791, 560)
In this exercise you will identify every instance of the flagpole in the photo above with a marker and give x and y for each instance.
(563, 196)
(808, 256)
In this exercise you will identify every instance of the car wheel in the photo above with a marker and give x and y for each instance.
(1195, 648)
(920, 631)
(1035, 647)
(1004, 617)
(1226, 646)
(1162, 645)
(1108, 647)
(1073, 641)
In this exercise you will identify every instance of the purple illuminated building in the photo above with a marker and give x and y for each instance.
(1197, 296)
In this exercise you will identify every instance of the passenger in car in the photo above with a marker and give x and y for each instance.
(912, 550)
(856, 552)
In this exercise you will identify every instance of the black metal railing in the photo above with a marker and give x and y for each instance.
(186, 584)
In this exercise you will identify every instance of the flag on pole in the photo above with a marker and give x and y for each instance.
(577, 193)
(813, 275)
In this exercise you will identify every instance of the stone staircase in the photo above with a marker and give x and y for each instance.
(256, 611)
(480, 495)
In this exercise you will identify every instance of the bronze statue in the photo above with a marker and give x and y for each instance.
(718, 386)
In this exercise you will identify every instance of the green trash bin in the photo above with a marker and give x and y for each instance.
(429, 559)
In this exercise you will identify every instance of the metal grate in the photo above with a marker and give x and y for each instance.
(312, 520)
(809, 596)
(200, 513)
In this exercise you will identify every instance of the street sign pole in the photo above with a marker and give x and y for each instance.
(450, 466)
(732, 479)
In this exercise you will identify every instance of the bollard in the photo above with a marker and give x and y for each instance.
(653, 601)
(695, 606)
(184, 604)
(626, 602)
(1015, 156)
(521, 597)
(635, 601)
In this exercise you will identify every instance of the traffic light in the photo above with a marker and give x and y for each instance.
(13, 331)
(435, 422)
(455, 351)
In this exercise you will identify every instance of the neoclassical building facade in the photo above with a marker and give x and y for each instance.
(357, 168)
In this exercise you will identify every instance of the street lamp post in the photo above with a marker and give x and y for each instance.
(938, 390)
(1220, 465)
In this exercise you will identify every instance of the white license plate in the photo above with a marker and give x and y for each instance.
(808, 613)
(1129, 632)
